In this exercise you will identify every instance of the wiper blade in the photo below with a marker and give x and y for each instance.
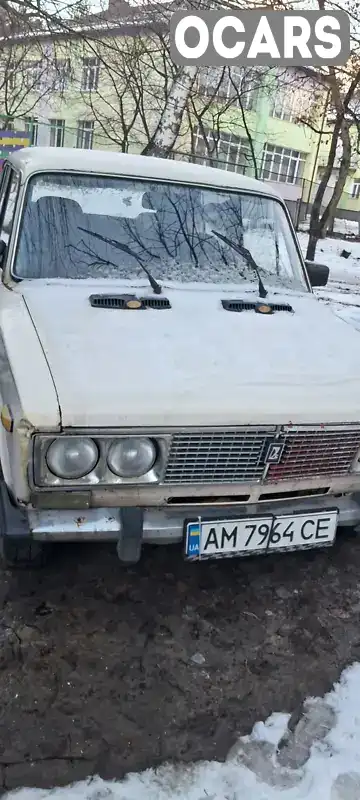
(114, 243)
(247, 256)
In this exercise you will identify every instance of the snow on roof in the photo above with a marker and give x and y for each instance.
(35, 159)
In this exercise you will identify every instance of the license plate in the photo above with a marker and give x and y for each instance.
(242, 537)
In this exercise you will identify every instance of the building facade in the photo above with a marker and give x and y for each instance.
(108, 93)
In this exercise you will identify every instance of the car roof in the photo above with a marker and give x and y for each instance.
(30, 160)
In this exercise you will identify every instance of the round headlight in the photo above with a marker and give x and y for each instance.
(71, 457)
(131, 458)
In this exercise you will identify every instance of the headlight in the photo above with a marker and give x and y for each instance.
(131, 458)
(72, 457)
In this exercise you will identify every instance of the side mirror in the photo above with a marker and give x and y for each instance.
(318, 273)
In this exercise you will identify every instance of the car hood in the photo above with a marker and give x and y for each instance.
(195, 364)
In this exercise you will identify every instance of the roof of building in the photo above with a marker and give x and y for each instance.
(38, 159)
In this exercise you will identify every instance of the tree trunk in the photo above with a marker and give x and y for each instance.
(319, 226)
(163, 140)
(311, 248)
(341, 105)
(328, 216)
(315, 226)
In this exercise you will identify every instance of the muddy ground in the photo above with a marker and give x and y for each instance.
(105, 670)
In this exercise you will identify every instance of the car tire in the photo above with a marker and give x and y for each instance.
(17, 548)
(22, 553)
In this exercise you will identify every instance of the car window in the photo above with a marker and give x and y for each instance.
(8, 209)
(92, 226)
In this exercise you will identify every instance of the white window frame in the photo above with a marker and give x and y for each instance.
(32, 127)
(85, 134)
(10, 77)
(33, 74)
(7, 124)
(232, 148)
(57, 132)
(283, 106)
(281, 154)
(61, 74)
(90, 73)
(207, 81)
(292, 97)
(355, 191)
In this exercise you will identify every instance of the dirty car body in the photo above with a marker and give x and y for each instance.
(167, 374)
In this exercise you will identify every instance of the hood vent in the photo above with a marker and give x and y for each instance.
(127, 302)
(259, 308)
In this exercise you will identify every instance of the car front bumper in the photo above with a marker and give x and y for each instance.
(166, 525)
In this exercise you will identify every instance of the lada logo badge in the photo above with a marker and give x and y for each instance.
(274, 452)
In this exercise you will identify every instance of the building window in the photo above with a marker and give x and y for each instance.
(57, 132)
(32, 127)
(90, 74)
(85, 134)
(8, 123)
(62, 74)
(233, 86)
(282, 106)
(34, 75)
(356, 190)
(10, 78)
(293, 96)
(222, 150)
(246, 84)
(281, 165)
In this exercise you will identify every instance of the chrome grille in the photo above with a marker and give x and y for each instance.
(237, 456)
(313, 454)
(217, 456)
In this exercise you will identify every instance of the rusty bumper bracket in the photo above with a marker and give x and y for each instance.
(130, 539)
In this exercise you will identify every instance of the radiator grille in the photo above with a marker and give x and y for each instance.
(312, 454)
(216, 457)
(220, 457)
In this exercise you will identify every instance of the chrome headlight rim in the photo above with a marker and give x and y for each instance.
(58, 443)
(120, 443)
(101, 477)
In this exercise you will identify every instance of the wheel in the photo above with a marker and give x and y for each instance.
(22, 553)
(17, 549)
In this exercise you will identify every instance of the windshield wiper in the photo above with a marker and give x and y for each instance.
(247, 256)
(153, 283)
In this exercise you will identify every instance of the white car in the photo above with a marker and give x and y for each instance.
(167, 374)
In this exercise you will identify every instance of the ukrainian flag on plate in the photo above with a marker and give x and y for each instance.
(193, 534)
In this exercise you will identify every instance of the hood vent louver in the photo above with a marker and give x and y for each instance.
(126, 302)
(259, 308)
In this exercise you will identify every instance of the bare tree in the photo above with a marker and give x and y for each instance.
(219, 103)
(136, 75)
(340, 90)
(342, 117)
(145, 101)
(141, 98)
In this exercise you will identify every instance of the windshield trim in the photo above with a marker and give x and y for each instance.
(24, 193)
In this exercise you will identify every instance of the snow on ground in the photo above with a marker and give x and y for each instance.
(316, 757)
(343, 290)
(346, 227)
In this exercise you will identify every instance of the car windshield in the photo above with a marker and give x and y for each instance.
(87, 226)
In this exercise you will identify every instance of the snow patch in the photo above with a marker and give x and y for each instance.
(256, 768)
(342, 293)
